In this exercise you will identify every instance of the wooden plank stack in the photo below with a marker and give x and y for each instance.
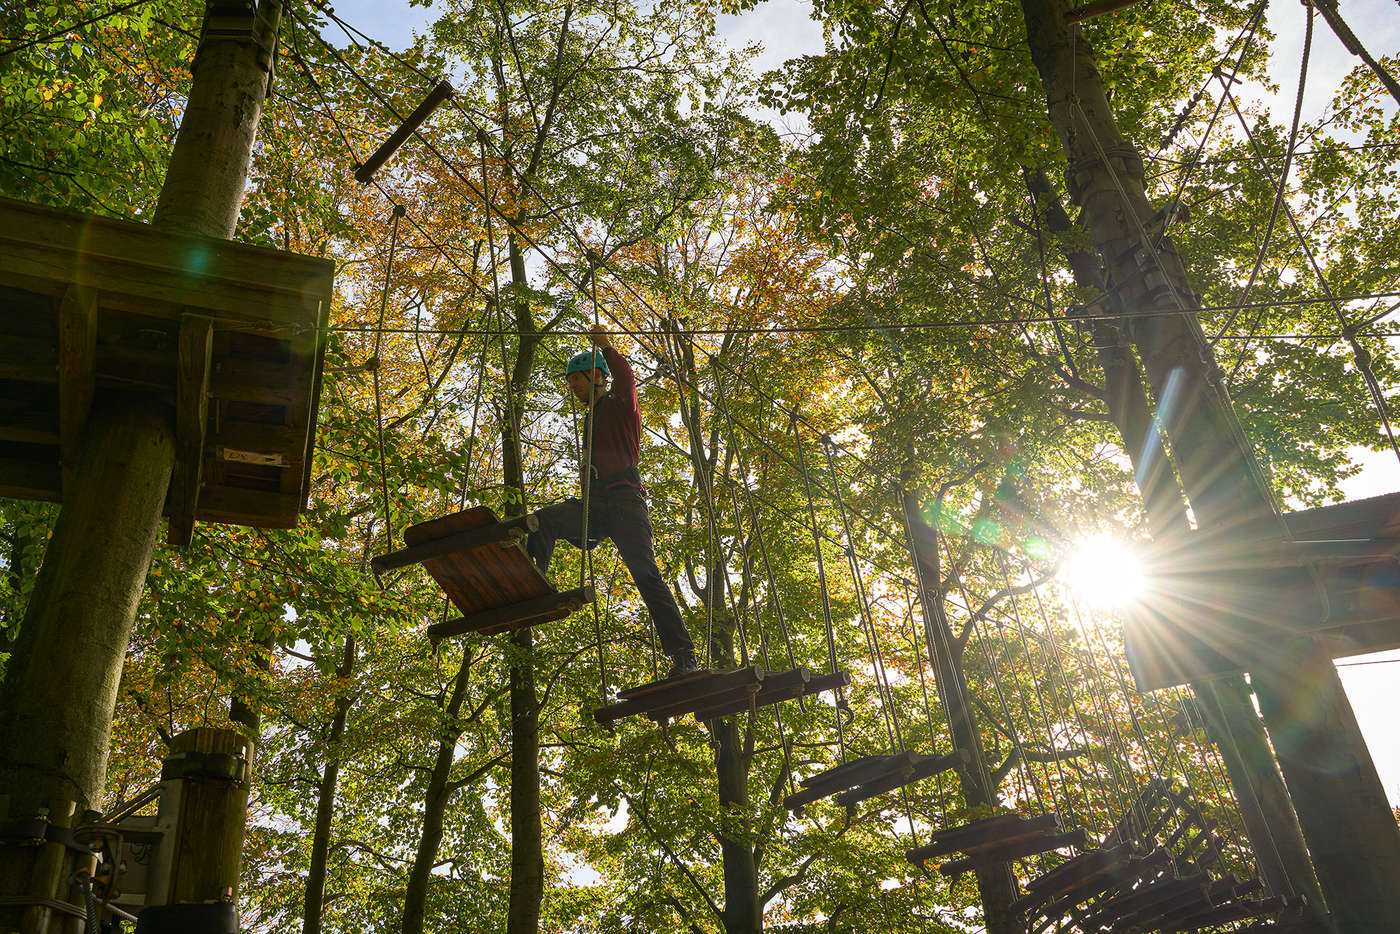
(229, 336)
(480, 564)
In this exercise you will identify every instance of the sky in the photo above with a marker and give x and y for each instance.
(785, 29)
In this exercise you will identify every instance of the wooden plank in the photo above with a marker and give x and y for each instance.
(247, 507)
(516, 616)
(30, 359)
(787, 689)
(856, 772)
(21, 478)
(268, 382)
(191, 416)
(1140, 902)
(31, 428)
(248, 282)
(989, 830)
(252, 443)
(735, 700)
(682, 694)
(1018, 849)
(77, 357)
(1119, 870)
(456, 543)
(924, 767)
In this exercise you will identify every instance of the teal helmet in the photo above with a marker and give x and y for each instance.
(588, 360)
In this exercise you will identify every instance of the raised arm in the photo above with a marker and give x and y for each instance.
(624, 381)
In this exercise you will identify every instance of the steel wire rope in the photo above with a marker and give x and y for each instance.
(877, 662)
(1111, 726)
(1282, 187)
(934, 630)
(1208, 758)
(1361, 354)
(1106, 789)
(378, 395)
(1241, 441)
(923, 686)
(1035, 683)
(1023, 764)
(1173, 204)
(1253, 790)
(825, 593)
(757, 526)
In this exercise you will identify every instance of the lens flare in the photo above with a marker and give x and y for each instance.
(1104, 572)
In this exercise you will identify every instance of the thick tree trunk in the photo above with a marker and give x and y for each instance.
(208, 169)
(996, 885)
(1350, 831)
(61, 686)
(314, 903)
(1230, 718)
(435, 800)
(60, 692)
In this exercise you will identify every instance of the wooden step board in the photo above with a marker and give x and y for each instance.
(1086, 876)
(1030, 846)
(480, 564)
(1145, 901)
(850, 774)
(707, 694)
(1119, 872)
(924, 767)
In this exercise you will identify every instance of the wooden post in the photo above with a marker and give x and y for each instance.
(213, 768)
(59, 693)
(1350, 831)
(995, 884)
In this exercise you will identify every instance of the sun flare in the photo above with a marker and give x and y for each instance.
(1104, 572)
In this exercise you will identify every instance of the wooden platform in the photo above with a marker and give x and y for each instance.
(707, 694)
(481, 565)
(1221, 606)
(229, 336)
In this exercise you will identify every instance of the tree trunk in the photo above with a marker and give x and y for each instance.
(60, 690)
(1230, 719)
(208, 169)
(742, 914)
(1349, 829)
(314, 903)
(435, 801)
(526, 830)
(996, 885)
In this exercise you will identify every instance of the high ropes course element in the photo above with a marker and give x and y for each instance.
(1162, 865)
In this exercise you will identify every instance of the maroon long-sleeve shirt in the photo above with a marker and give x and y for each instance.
(617, 428)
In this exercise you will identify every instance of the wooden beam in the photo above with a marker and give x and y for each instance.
(191, 415)
(77, 352)
(511, 529)
(514, 616)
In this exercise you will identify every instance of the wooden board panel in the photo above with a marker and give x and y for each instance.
(486, 578)
(127, 288)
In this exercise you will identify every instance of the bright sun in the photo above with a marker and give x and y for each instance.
(1104, 572)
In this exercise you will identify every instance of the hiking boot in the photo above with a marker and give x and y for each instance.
(683, 665)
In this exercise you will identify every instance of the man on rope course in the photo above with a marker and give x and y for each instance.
(617, 506)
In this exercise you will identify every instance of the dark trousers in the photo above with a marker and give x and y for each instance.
(621, 515)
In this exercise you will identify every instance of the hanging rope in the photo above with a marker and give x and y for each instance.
(585, 568)
(398, 212)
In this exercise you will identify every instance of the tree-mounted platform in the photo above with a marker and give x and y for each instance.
(228, 336)
(868, 776)
(481, 565)
(995, 840)
(1220, 605)
(707, 694)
